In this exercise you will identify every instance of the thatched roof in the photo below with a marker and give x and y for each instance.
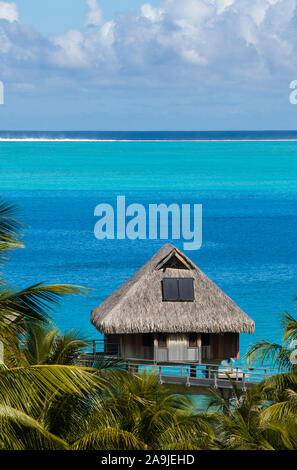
(137, 305)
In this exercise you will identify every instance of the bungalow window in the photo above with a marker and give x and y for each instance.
(193, 340)
(178, 289)
(162, 340)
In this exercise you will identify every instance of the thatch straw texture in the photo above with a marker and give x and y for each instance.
(137, 305)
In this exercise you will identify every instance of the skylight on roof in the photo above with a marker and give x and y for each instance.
(178, 289)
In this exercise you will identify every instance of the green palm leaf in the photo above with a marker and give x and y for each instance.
(289, 326)
(275, 354)
(43, 345)
(10, 229)
(27, 388)
(21, 432)
(33, 303)
(108, 438)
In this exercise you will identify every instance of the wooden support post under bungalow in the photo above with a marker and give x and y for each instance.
(171, 312)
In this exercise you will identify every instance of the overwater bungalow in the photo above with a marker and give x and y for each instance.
(170, 312)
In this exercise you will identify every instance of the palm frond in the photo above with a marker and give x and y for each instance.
(33, 303)
(265, 352)
(289, 326)
(26, 388)
(107, 438)
(20, 431)
(217, 402)
(283, 433)
(68, 348)
(104, 363)
(183, 445)
(276, 384)
(10, 229)
(36, 345)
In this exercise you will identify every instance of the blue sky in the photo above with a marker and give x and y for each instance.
(42, 14)
(156, 65)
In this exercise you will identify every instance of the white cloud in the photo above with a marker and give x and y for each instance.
(194, 12)
(198, 42)
(153, 14)
(9, 12)
(94, 15)
(5, 43)
(69, 50)
(222, 5)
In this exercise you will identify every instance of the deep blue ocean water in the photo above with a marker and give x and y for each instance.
(248, 190)
(151, 135)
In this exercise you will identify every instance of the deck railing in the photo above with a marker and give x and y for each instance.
(101, 347)
(209, 374)
(188, 373)
(199, 354)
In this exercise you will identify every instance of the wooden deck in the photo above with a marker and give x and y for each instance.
(202, 382)
(192, 374)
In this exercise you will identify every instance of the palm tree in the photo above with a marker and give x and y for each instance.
(24, 388)
(281, 357)
(280, 389)
(136, 412)
(246, 422)
(41, 344)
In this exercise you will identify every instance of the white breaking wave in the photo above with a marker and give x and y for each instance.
(29, 139)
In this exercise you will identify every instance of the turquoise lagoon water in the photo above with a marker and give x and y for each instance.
(248, 191)
(202, 403)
